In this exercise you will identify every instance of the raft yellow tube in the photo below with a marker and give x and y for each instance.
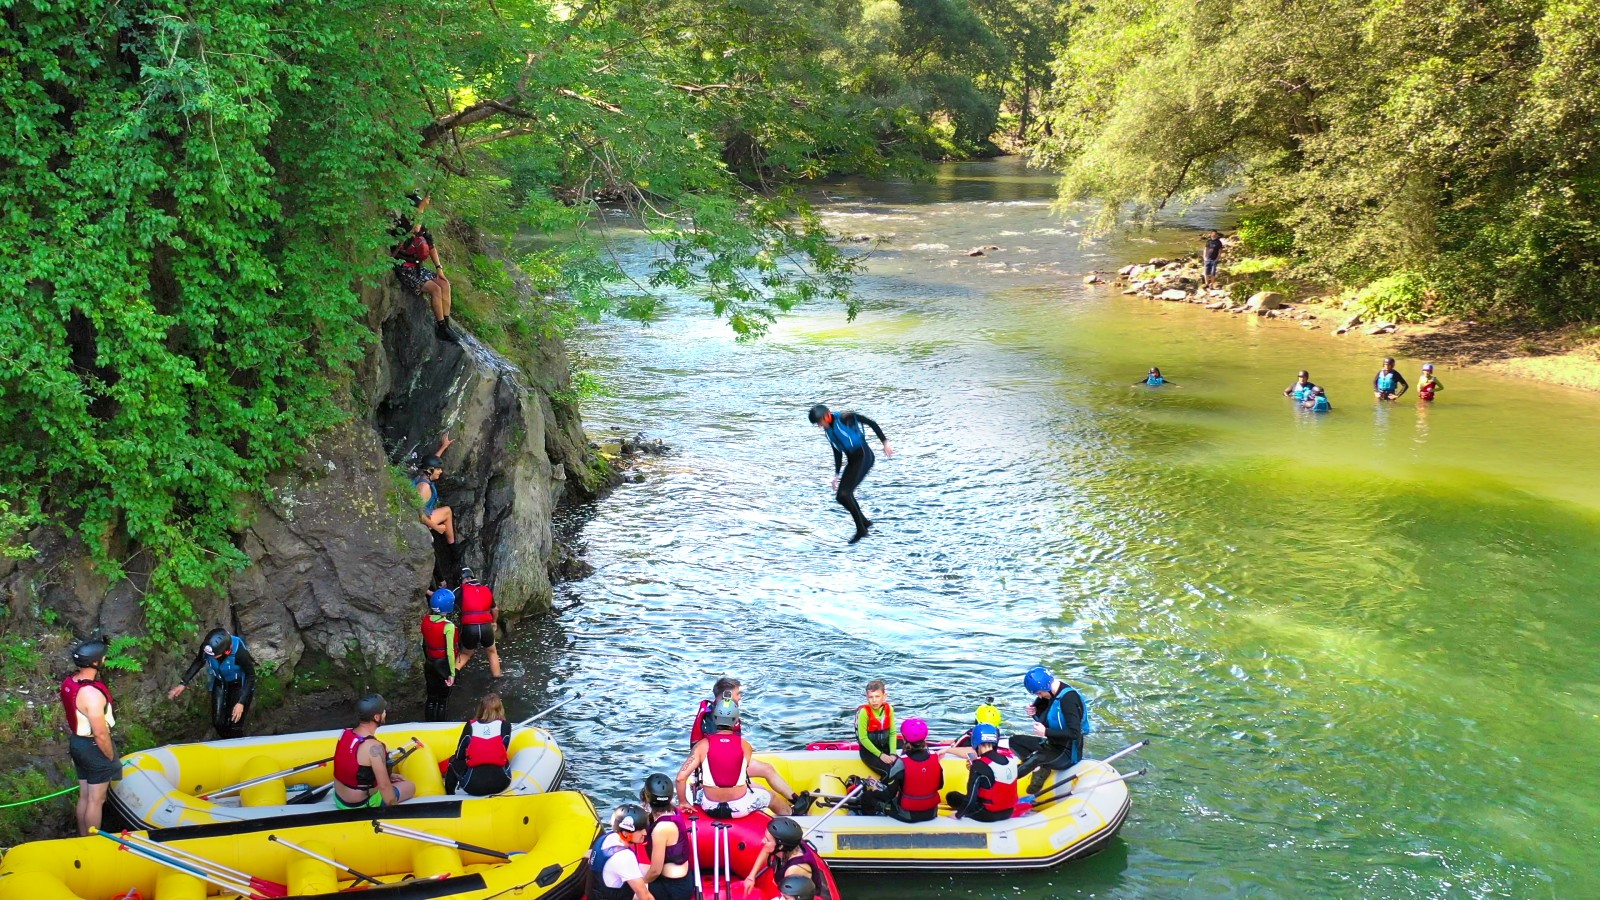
(548, 836)
(163, 787)
(1057, 831)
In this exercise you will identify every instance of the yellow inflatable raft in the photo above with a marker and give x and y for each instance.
(546, 837)
(166, 787)
(1072, 820)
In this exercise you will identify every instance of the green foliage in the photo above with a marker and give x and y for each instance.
(126, 653)
(1456, 143)
(1265, 233)
(19, 657)
(1402, 297)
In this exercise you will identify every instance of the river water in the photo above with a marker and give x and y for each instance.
(1362, 643)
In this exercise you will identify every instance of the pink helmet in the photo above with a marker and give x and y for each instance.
(914, 730)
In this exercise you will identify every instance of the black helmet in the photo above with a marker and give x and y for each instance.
(657, 791)
(90, 653)
(629, 818)
(798, 887)
(786, 833)
(817, 413)
(371, 706)
(217, 643)
(725, 712)
(467, 577)
(432, 462)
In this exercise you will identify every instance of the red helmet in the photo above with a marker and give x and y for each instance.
(914, 730)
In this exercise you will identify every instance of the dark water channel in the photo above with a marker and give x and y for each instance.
(1363, 644)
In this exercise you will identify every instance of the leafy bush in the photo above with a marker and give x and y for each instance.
(1265, 233)
(1402, 297)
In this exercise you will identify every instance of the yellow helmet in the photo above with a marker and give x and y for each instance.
(988, 714)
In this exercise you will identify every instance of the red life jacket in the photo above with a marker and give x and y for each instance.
(348, 769)
(487, 745)
(476, 601)
(725, 763)
(413, 250)
(879, 722)
(919, 791)
(702, 719)
(70, 686)
(1002, 795)
(433, 642)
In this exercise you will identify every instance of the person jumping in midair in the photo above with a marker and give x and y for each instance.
(849, 444)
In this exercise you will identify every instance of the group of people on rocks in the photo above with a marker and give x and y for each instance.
(719, 777)
(447, 647)
(1387, 386)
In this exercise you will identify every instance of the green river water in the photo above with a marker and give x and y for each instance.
(1363, 644)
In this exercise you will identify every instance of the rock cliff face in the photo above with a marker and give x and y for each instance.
(339, 560)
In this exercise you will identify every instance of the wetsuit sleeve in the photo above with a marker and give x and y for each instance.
(980, 777)
(450, 646)
(873, 425)
(461, 744)
(505, 733)
(194, 667)
(896, 776)
(1401, 380)
(838, 460)
(247, 676)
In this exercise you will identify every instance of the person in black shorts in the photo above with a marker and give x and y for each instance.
(87, 702)
(478, 620)
(1212, 257)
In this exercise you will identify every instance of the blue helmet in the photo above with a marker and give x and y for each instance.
(1038, 679)
(442, 601)
(985, 734)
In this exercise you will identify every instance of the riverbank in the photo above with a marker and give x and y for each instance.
(1567, 356)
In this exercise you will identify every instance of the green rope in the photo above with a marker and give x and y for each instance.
(66, 790)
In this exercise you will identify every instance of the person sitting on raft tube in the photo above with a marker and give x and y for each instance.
(727, 685)
(233, 680)
(1428, 384)
(875, 735)
(614, 870)
(481, 764)
(361, 776)
(1153, 378)
(722, 760)
(1061, 719)
(1302, 387)
(478, 617)
(1389, 384)
(784, 851)
(666, 843)
(991, 794)
(1317, 401)
(910, 791)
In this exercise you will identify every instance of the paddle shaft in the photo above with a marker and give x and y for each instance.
(427, 838)
(694, 850)
(836, 807)
(323, 859)
(537, 716)
(219, 880)
(1136, 745)
(232, 789)
(264, 885)
(1098, 784)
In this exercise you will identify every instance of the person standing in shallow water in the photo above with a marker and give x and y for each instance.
(850, 451)
(1211, 257)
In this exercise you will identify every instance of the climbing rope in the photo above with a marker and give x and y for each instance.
(66, 790)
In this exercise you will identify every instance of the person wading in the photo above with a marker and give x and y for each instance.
(850, 451)
(478, 619)
(233, 680)
(87, 702)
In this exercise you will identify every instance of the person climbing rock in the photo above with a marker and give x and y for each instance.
(439, 653)
(478, 619)
(667, 844)
(361, 776)
(722, 761)
(414, 248)
(481, 764)
(440, 519)
(614, 869)
(849, 443)
(1061, 719)
(87, 702)
(991, 794)
(233, 680)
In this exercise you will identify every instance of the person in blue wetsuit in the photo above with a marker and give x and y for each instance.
(1302, 387)
(1317, 401)
(1061, 719)
(1389, 384)
(233, 680)
(850, 451)
(1154, 379)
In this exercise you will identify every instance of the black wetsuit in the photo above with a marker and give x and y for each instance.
(226, 690)
(850, 451)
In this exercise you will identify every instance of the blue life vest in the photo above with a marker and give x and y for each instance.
(226, 669)
(846, 438)
(595, 888)
(1386, 381)
(1322, 405)
(433, 494)
(1155, 381)
(1056, 719)
(1302, 391)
